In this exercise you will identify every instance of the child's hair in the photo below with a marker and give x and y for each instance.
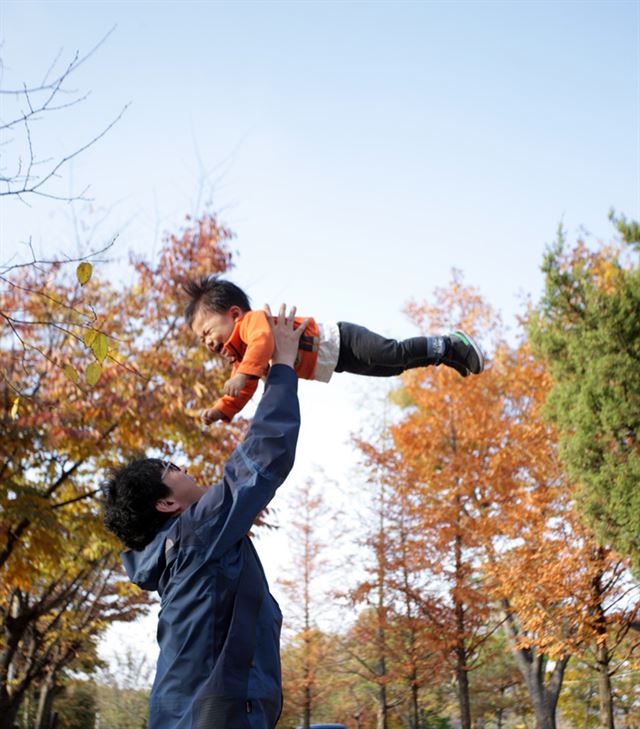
(215, 294)
(129, 504)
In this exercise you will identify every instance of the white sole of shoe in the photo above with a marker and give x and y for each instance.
(475, 348)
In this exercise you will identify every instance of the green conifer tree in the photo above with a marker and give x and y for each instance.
(587, 327)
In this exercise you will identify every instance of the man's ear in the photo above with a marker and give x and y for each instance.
(167, 506)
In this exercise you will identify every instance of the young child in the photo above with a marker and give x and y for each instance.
(220, 314)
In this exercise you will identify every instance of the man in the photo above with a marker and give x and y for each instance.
(219, 627)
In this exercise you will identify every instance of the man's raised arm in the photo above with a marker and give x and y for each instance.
(263, 460)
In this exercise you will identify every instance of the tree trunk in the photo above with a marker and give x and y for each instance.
(10, 705)
(45, 703)
(306, 709)
(306, 689)
(8, 715)
(604, 688)
(531, 664)
(602, 655)
(382, 719)
(307, 693)
(411, 649)
(462, 681)
(462, 675)
(415, 706)
(544, 698)
(12, 690)
(545, 711)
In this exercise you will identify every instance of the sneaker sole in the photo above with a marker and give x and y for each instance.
(475, 348)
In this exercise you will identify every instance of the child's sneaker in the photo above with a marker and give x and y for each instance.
(463, 354)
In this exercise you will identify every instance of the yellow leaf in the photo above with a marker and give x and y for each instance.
(89, 336)
(14, 408)
(93, 373)
(71, 373)
(83, 272)
(99, 347)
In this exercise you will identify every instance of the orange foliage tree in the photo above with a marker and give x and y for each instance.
(492, 509)
(391, 644)
(457, 447)
(153, 375)
(562, 593)
(438, 460)
(308, 648)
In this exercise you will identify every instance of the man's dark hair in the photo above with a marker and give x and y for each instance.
(130, 501)
(215, 294)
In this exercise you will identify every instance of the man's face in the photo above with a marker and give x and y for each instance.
(214, 327)
(184, 490)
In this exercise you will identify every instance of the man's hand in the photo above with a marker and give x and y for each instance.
(210, 415)
(285, 337)
(234, 385)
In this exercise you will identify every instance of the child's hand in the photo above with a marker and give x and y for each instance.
(210, 415)
(233, 386)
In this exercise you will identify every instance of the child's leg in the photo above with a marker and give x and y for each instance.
(363, 352)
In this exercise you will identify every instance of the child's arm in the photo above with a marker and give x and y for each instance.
(229, 405)
(241, 386)
(234, 385)
(210, 415)
(256, 333)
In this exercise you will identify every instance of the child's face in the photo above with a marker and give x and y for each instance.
(215, 327)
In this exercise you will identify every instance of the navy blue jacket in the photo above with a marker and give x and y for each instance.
(219, 627)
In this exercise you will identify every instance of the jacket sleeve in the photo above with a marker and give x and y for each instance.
(256, 468)
(230, 405)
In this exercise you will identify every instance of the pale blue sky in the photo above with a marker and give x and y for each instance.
(360, 151)
(366, 147)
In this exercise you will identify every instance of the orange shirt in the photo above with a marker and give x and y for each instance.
(251, 347)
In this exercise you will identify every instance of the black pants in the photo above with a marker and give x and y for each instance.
(363, 352)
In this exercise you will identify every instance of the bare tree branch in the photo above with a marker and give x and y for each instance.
(33, 103)
(91, 256)
(34, 186)
(76, 63)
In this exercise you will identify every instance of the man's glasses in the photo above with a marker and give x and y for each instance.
(168, 466)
